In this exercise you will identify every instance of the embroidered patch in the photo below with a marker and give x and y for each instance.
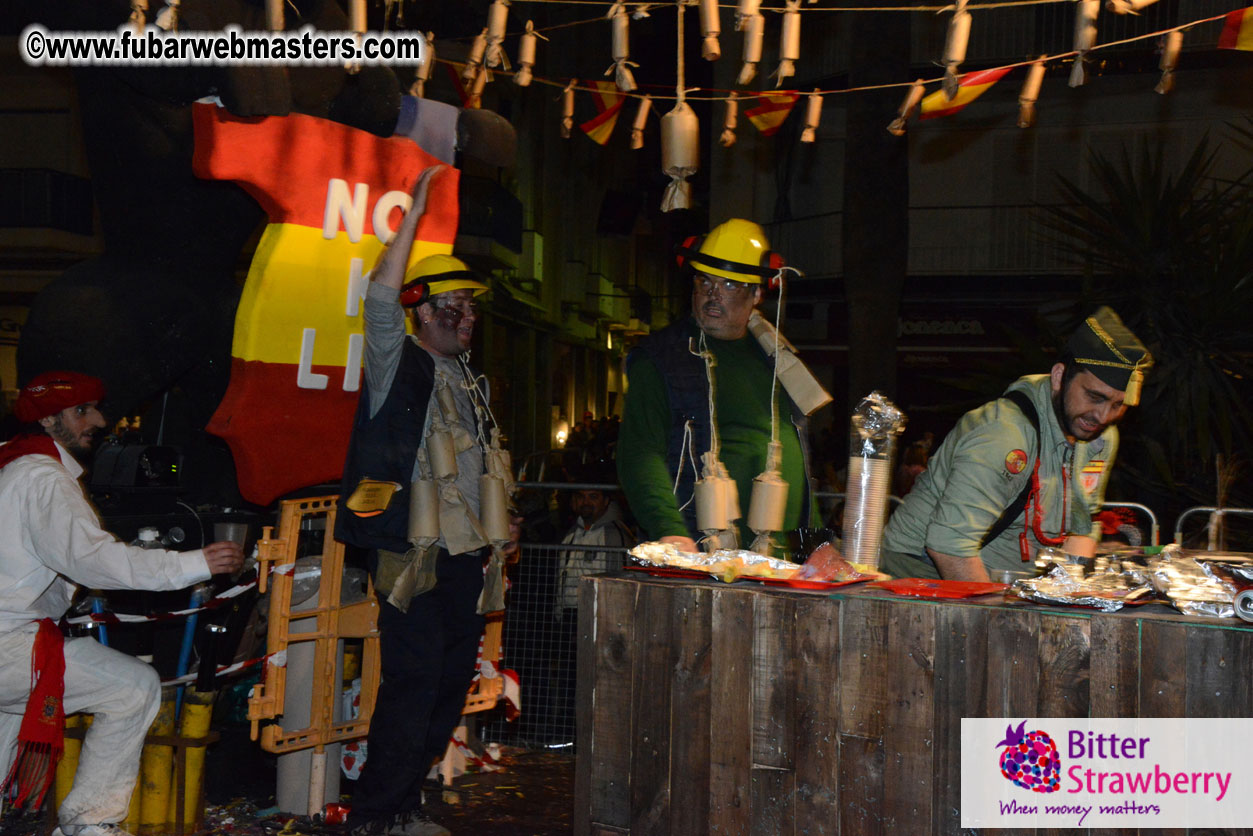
(1015, 461)
(1090, 476)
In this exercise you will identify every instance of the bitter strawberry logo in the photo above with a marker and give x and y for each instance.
(1030, 759)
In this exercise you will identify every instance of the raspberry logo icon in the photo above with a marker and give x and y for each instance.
(1030, 759)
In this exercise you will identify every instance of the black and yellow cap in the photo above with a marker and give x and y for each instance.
(1108, 349)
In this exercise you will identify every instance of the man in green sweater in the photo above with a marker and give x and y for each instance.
(706, 377)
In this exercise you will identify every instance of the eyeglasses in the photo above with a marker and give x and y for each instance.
(467, 307)
(708, 285)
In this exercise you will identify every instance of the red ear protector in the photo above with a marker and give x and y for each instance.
(414, 293)
(768, 268)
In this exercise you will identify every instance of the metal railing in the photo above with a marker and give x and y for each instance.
(1213, 512)
(1155, 536)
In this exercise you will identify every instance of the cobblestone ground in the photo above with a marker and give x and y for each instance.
(533, 795)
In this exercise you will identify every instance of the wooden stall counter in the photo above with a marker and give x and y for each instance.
(704, 707)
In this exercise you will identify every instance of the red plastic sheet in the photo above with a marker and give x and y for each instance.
(925, 588)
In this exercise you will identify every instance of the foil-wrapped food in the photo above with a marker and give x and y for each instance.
(1107, 591)
(1187, 579)
(731, 564)
(725, 564)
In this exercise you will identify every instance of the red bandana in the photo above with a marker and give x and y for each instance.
(24, 444)
(40, 740)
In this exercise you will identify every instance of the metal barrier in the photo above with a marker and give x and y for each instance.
(1213, 512)
(539, 643)
(1155, 535)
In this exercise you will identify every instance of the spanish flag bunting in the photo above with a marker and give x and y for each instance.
(973, 85)
(462, 87)
(608, 103)
(768, 111)
(1238, 30)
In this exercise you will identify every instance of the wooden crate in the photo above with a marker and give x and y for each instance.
(708, 708)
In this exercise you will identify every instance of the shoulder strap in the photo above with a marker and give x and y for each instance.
(1016, 507)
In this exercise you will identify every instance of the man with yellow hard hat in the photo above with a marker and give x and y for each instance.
(704, 382)
(422, 419)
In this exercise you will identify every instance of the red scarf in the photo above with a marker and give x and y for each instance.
(26, 443)
(40, 739)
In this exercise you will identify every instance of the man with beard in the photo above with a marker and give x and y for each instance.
(702, 373)
(53, 541)
(1024, 471)
(422, 419)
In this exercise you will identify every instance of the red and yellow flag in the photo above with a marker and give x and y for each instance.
(334, 195)
(1238, 30)
(973, 85)
(768, 111)
(608, 103)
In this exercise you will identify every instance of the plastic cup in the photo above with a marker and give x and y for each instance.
(236, 532)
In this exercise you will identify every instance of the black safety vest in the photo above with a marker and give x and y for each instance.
(384, 447)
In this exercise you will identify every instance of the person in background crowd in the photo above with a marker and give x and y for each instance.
(598, 522)
(1026, 470)
(53, 541)
(430, 615)
(913, 463)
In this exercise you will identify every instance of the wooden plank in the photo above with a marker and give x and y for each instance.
(1219, 684)
(1115, 671)
(1013, 674)
(861, 783)
(689, 722)
(583, 718)
(731, 712)
(1064, 659)
(605, 693)
(1163, 663)
(772, 793)
(1013, 663)
(816, 759)
(1164, 656)
(961, 647)
(773, 681)
(650, 710)
(909, 719)
(863, 666)
(1115, 666)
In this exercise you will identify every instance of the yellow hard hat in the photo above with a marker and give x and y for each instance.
(438, 274)
(736, 249)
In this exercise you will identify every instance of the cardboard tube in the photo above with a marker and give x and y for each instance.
(424, 511)
(494, 508)
(442, 454)
(768, 503)
(711, 504)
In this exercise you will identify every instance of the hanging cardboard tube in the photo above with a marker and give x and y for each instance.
(442, 454)
(494, 508)
(768, 504)
(423, 511)
(711, 504)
